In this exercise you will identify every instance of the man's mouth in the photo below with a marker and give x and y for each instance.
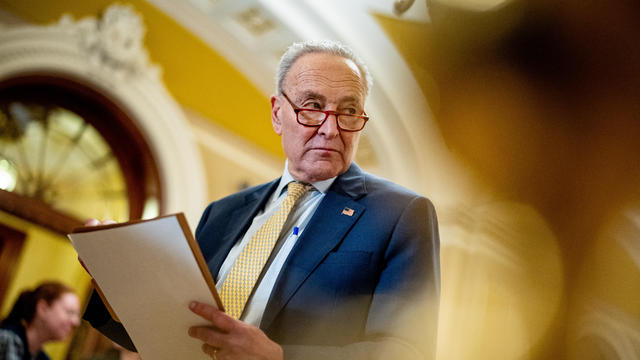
(324, 149)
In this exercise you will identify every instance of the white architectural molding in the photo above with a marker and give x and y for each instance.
(107, 54)
(113, 43)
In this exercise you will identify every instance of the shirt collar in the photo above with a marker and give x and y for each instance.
(322, 186)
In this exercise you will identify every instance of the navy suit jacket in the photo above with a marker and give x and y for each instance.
(361, 285)
(355, 285)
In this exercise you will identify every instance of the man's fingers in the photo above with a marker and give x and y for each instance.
(217, 318)
(92, 222)
(204, 310)
(210, 350)
(96, 222)
(231, 337)
(207, 334)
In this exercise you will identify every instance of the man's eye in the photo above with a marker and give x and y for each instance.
(313, 105)
(350, 111)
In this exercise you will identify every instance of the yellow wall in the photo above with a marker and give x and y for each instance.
(45, 256)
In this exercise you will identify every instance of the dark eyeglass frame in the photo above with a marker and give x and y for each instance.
(326, 113)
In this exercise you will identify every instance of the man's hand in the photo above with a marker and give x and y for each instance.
(227, 338)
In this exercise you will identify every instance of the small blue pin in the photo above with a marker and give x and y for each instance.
(295, 230)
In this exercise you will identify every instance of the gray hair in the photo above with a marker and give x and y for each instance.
(296, 50)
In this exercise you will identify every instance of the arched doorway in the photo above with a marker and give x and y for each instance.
(67, 153)
(102, 107)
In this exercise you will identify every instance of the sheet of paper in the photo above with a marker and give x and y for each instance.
(149, 274)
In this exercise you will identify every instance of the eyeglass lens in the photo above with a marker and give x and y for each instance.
(344, 121)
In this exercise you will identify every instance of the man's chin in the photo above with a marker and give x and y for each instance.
(321, 172)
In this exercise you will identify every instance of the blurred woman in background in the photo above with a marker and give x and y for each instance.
(50, 312)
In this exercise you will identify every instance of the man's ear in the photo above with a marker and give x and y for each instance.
(276, 122)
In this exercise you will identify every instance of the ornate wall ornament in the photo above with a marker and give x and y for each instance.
(114, 42)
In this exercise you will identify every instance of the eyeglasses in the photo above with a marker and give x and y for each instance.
(315, 118)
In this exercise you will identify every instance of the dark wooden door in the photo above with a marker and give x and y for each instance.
(11, 242)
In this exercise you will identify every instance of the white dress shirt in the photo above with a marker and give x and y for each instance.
(294, 227)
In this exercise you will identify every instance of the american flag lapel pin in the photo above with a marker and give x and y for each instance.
(347, 211)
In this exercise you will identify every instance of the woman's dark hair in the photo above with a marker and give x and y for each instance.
(24, 309)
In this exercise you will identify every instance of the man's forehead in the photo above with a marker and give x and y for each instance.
(320, 69)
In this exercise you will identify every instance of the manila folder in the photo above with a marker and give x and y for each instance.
(148, 272)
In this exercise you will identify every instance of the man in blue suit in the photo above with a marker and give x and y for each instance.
(352, 268)
(355, 271)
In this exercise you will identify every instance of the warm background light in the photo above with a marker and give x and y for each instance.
(7, 175)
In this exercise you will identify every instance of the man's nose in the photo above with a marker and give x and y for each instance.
(330, 126)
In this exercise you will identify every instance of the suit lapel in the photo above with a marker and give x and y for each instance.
(239, 221)
(331, 221)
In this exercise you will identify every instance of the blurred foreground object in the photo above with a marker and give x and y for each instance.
(541, 100)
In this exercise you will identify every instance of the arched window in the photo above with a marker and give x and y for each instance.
(73, 154)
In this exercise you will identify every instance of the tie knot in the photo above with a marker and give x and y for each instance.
(296, 190)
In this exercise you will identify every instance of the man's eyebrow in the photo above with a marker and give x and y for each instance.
(312, 95)
(350, 99)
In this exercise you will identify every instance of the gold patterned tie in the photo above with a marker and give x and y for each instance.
(247, 268)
